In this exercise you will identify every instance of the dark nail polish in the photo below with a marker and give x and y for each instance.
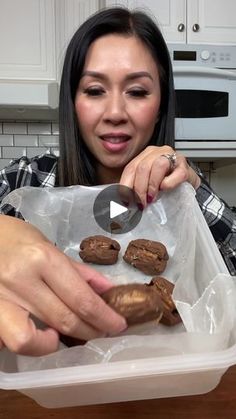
(140, 206)
(149, 198)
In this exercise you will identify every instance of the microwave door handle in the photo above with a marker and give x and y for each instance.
(203, 72)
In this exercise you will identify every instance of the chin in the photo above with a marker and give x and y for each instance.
(114, 164)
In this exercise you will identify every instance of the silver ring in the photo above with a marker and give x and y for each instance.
(172, 158)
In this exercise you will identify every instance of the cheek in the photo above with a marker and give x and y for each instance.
(87, 116)
(83, 115)
(146, 117)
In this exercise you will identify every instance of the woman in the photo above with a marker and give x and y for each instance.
(116, 125)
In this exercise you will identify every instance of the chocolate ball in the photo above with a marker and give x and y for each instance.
(136, 302)
(148, 256)
(164, 289)
(99, 249)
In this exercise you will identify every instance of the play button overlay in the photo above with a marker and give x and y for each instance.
(117, 209)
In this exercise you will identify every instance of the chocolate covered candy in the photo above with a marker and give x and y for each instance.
(148, 256)
(136, 302)
(165, 288)
(99, 249)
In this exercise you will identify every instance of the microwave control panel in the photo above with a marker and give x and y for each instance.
(218, 56)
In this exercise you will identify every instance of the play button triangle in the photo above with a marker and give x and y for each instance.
(116, 209)
(111, 214)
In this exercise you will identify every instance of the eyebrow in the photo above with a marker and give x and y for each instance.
(130, 76)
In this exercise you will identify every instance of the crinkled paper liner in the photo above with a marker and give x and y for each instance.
(204, 292)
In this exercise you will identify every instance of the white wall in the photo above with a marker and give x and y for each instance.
(223, 181)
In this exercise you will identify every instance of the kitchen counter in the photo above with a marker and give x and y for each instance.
(218, 404)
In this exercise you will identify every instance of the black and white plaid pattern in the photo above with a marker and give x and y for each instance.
(41, 171)
(222, 222)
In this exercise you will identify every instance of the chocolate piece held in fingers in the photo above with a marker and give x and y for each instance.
(136, 302)
(148, 256)
(99, 249)
(165, 288)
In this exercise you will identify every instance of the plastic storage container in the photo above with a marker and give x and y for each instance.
(156, 377)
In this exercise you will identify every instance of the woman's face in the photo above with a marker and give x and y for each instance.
(118, 99)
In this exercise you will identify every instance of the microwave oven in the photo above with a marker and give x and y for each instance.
(205, 86)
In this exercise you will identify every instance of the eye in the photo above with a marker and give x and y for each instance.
(138, 92)
(94, 91)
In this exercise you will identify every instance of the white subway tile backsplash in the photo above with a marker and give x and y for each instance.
(26, 140)
(35, 151)
(14, 128)
(18, 138)
(13, 152)
(39, 128)
(55, 128)
(6, 140)
(3, 163)
(48, 140)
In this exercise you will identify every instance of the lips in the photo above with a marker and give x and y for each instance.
(115, 138)
(115, 142)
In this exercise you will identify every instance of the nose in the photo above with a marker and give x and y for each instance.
(115, 111)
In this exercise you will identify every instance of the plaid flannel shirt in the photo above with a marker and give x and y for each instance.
(41, 171)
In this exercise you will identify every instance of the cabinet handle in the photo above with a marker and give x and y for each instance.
(196, 27)
(181, 27)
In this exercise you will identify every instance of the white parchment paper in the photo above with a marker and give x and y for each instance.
(204, 292)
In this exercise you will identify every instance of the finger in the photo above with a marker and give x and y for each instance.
(60, 298)
(159, 170)
(134, 178)
(95, 279)
(42, 300)
(141, 181)
(178, 176)
(128, 175)
(56, 313)
(78, 295)
(20, 335)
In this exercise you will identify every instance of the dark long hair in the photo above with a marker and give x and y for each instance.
(76, 163)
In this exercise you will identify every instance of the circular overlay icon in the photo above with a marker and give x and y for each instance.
(117, 209)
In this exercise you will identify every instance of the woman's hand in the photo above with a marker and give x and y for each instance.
(149, 172)
(37, 278)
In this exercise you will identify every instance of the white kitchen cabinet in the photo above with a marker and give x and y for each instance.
(69, 15)
(35, 33)
(27, 40)
(191, 21)
(216, 20)
(167, 13)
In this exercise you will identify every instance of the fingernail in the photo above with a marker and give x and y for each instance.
(149, 198)
(124, 326)
(140, 206)
(121, 329)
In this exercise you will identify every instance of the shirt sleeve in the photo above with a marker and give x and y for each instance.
(8, 177)
(221, 220)
(39, 171)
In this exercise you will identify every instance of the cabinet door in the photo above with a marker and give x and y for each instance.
(70, 14)
(216, 20)
(169, 14)
(27, 40)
